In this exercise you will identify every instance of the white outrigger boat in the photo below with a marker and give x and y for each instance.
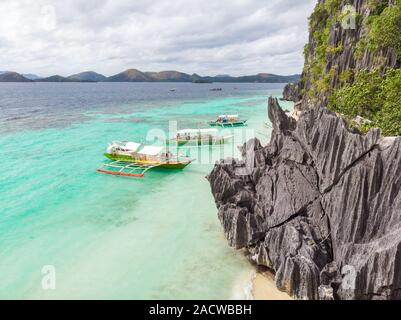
(133, 159)
(227, 121)
(200, 137)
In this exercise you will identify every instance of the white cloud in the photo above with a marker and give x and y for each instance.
(109, 36)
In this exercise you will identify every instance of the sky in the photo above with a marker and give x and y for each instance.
(236, 37)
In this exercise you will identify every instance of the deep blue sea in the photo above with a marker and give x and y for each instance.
(107, 237)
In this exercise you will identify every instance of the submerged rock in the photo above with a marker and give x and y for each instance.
(320, 206)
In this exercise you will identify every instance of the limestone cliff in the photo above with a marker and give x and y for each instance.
(320, 205)
(292, 92)
(343, 41)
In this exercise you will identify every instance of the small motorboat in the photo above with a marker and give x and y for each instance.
(200, 137)
(227, 121)
(133, 159)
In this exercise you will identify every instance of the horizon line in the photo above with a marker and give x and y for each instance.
(217, 75)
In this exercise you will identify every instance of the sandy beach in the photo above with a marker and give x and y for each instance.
(264, 288)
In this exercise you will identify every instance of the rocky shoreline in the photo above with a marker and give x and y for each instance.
(319, 205)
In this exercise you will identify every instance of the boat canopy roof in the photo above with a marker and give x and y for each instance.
(229, 116)
(151, 150)
(139, 148)
(130, 146)
(133, 146)
(198, 132)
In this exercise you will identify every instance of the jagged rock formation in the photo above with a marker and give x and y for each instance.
(292, 92)
(320, 206)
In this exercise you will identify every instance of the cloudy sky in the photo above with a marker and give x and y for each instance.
(234, 37)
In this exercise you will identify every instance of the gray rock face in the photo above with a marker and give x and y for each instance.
(320, 206)
(292, 92)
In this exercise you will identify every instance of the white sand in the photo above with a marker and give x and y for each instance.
(264, 288)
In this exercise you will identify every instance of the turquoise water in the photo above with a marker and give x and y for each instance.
(113, 237)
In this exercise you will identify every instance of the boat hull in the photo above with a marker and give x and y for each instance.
(228, 125)
(177, 165)
(200, 142)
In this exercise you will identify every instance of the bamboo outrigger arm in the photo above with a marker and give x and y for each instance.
(126, 169)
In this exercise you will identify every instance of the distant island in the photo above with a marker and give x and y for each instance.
(13, 77)
(134, 75)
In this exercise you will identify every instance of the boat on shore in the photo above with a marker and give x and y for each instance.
(227, 121)
(200, 137)
(133, 159)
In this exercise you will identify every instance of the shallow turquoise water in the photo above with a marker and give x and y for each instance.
(112, 237)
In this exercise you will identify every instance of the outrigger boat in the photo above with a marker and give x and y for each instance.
(228, 121)
(133, 159)
(199, 137)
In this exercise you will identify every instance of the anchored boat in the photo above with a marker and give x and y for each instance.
(200, 137)
(133, 159)
(228, 121)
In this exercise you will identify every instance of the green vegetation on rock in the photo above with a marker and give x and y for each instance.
(325, 15)
(386, 29)
(372, 88)
(389, 117)
(373, 96)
